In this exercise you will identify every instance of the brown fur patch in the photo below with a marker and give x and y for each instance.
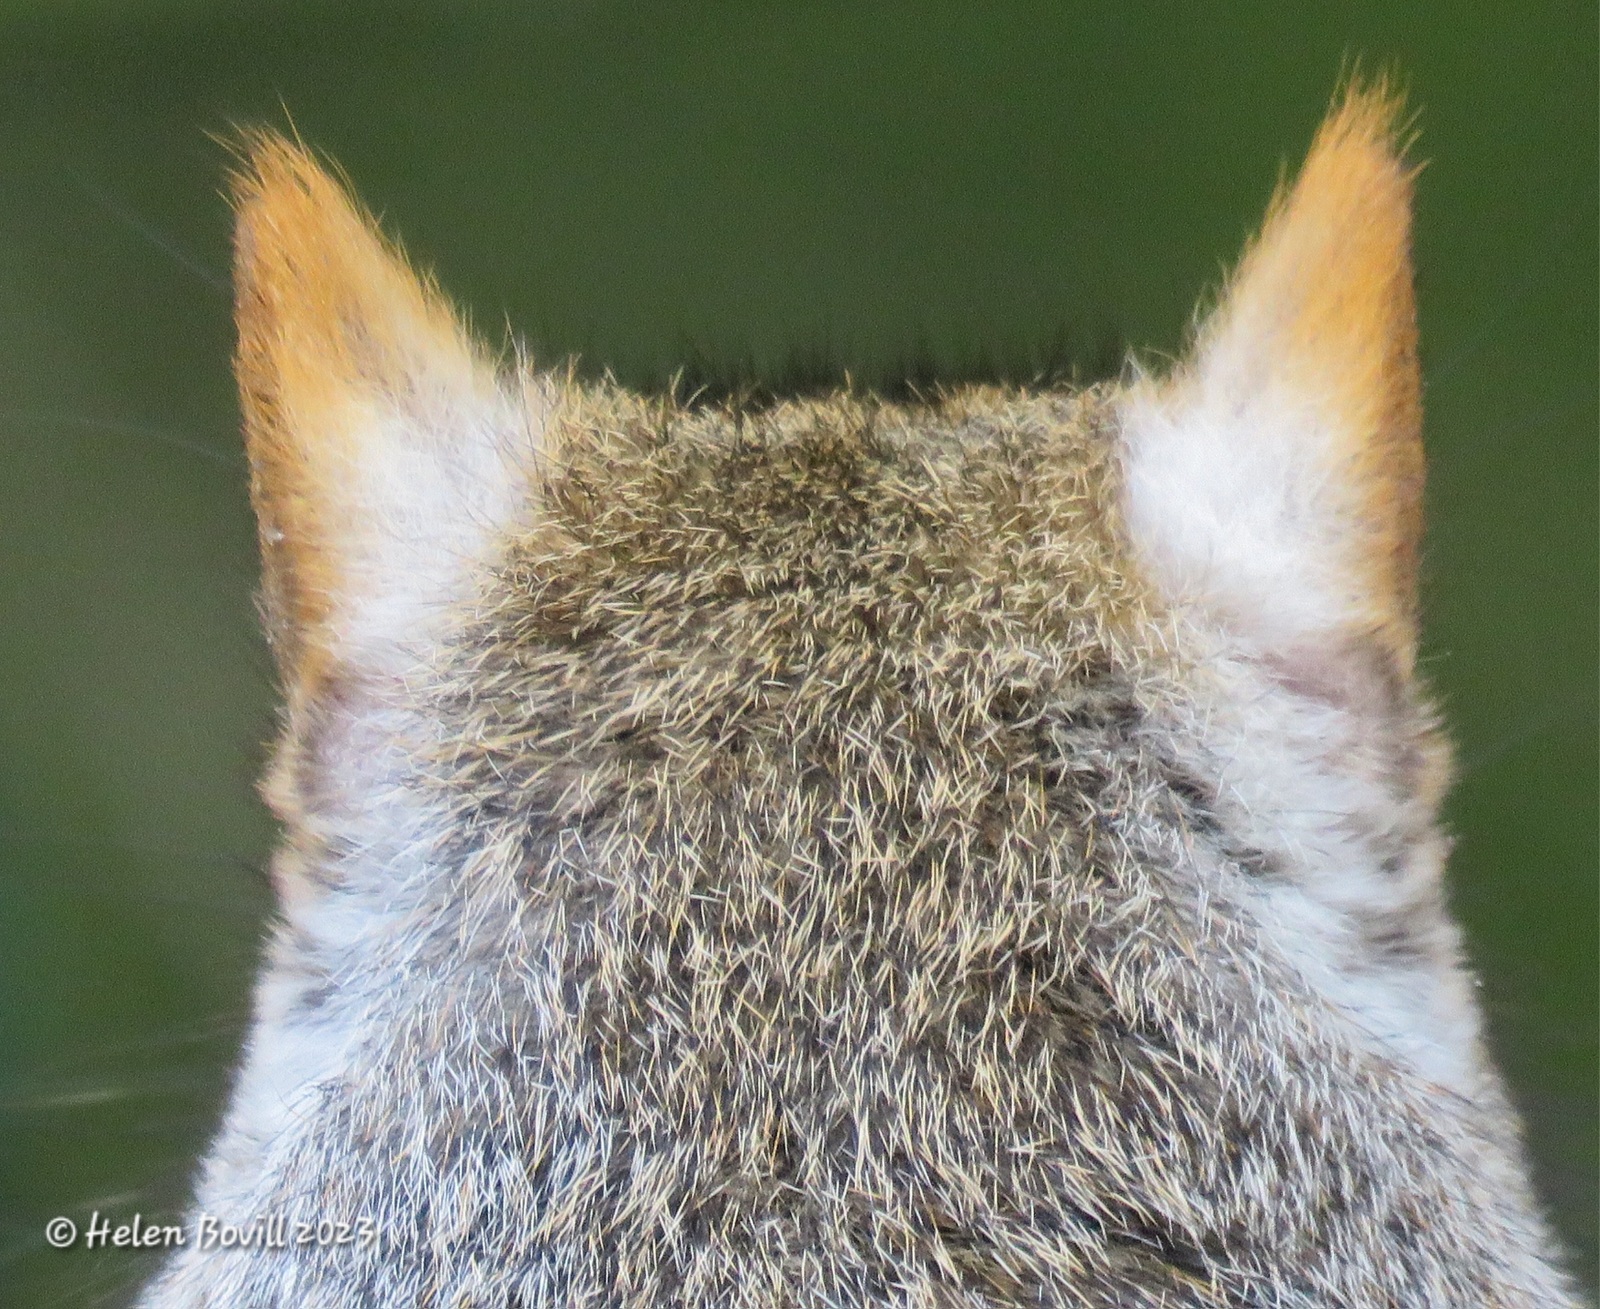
(1327, 291)
(335, 330)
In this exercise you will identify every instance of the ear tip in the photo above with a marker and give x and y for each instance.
(305, 244)
(269, 164)
(284, 199)
(1369, 120)
(1376, 101)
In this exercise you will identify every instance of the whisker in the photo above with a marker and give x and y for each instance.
(116, 1200)
(195, 1072)
(224, 1023)
(23, 417)
(1526, 728)
(125, 215)
(95, 1097)
(69, 1099)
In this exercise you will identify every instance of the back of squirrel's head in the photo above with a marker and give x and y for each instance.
(975, 849)
(1246, 526)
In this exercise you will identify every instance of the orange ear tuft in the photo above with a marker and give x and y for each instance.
(340, 344)
(1323, 304)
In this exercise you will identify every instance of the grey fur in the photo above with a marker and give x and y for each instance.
(804, 872)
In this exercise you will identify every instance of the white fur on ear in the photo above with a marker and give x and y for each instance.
(384, 449)
(1272, 493)
(427, 489)
(1273, 482)
(1233, 511)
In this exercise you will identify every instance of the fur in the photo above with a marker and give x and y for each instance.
(977, 852)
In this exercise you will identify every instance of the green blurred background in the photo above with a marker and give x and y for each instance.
(966, 187)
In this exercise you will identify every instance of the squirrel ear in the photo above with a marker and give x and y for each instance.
(1275, 479)
(378, 435)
